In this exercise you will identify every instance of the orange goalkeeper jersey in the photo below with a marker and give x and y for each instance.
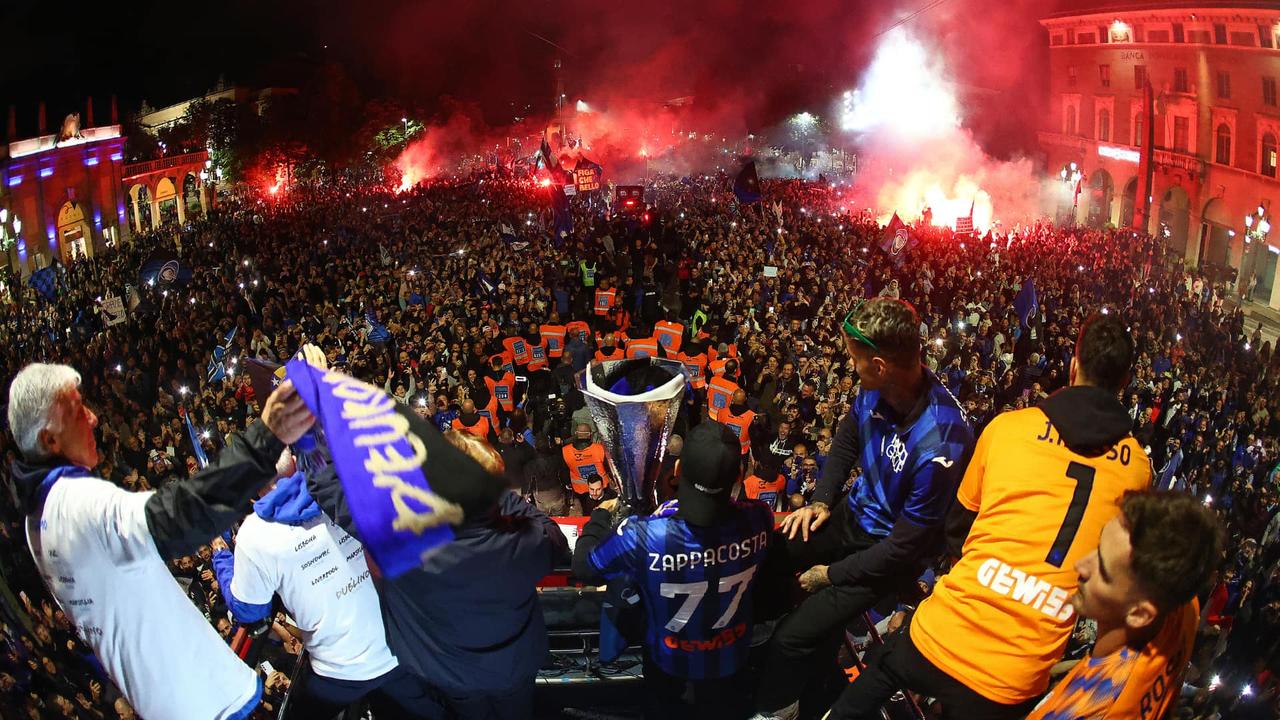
(1001, 618)
(1129, 684)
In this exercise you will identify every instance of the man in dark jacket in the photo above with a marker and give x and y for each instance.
(468, 620)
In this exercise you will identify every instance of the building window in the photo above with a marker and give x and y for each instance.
(1086, 38)
(1158, 36)
(1177, 33)
(1198, 37)
(1224, 84)
(1180, 80)
(1222, 145)
(1269, 155)
(1104, 75)
(1181, 134)
(1071, 75)
(1220, 33)
(1269, 91)
(1069, 120)
(1104, 125)
(1244, 39)
(1139, 77)
(1137, 128)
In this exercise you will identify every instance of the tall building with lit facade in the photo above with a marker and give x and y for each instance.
(1214, 69)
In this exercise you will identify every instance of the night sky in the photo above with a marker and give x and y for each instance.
(765, 63)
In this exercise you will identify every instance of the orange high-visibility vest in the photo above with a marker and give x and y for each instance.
(740, 425)
(670, 335)
(579, 328)
(767, 492)
(583, 464)
(719, 395)
(507, 361)
(697, 367)
(604, 301)
(617, 354)
(503, 390)
(553, 336)
(538, 356)
(518, 347)
(642, 348)
(480, 429)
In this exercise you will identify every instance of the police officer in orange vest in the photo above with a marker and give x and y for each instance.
(609, 349)
(474, 423)
(584, 459)
(740, 419)
(719, 395)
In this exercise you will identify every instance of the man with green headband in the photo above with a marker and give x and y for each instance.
(913, 442)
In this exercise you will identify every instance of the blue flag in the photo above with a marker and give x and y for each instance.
(1025, 303)
(562, 218)
(201, 458)
(406, 486)
(747, 185)
(378, 333)
(216, 370)
(164, 267)
(508, 235)
(45, 281)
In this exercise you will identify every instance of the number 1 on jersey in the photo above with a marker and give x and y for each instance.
(1083, 475)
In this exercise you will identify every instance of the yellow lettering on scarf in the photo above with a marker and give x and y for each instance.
(370, 410)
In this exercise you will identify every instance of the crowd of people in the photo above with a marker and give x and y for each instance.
(456, 299)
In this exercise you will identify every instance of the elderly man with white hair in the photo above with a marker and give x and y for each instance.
(102, 549)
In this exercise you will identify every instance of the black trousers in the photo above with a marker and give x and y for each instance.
(513, 704)
(898, 665)
(810, 635)
(398, 694)
(668, 697)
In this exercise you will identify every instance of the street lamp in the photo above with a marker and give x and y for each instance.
(1256, 227)
(1072, 177)
(405, 120)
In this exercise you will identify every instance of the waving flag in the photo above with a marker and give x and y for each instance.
(562, 218)
(1025, 303)
(483, 282)
(508, 235)
(201, 458)
(747, 185)
(377, 332)
(164, 267)
(216, 370)
(46, 282)
(897, 240)
(964, 225)
(586, 175)
(406, 486)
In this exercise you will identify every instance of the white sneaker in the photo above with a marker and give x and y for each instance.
(790, 712)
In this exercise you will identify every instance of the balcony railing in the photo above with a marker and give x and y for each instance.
(1175, 159)
(164, 163)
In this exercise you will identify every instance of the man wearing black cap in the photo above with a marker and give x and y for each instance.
(694, 561)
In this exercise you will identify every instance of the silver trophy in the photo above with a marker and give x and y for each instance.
(634, 404)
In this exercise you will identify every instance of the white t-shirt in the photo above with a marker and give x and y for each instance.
(322, 577)
(96, 553)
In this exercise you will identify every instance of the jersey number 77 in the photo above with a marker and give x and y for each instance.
(695, 592)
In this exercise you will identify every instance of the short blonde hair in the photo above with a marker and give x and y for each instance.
(477, 449)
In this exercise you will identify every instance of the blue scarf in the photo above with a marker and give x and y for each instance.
(288, 502)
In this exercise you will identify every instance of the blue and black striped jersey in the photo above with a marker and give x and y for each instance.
(696, 583)
(912, 466)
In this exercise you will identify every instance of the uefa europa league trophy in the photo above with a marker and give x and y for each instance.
(634, 404)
